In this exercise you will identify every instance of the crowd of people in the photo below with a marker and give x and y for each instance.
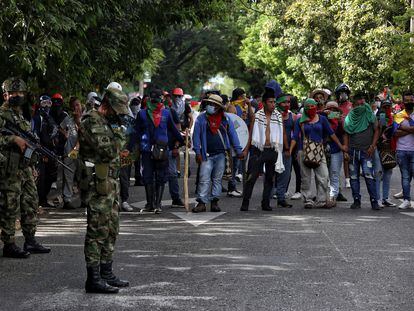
(105, 140)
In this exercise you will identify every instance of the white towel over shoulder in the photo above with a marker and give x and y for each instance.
(276, 135)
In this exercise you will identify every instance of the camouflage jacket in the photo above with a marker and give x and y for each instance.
(100, 142)
(8, 114)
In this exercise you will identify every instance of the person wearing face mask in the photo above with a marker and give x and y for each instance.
(315, 128)
(361, 136)
(101, 141)
(178, 114)
(212, 137)
(45, 127)
(333, 114)
(343, 93)
(59, 115)
(282, 179)
(405, 146)
(386, 149)
(17, 182)
(155, 134)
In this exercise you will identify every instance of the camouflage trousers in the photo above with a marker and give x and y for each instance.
(103, 225)
(18, 195)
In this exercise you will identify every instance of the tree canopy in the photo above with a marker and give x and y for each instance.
(76, 46)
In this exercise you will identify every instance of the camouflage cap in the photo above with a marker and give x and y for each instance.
(118, 100)
(14, 85)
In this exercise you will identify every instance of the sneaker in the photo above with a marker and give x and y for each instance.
(375, 206)
(405, 205)
(296, 196)
(266, 206)
(347, 183)
(46, 204)
(126, 207)
(274, 196)
(288, 195)
(234, 194)
(239, 177)
(177, 203)
(341, 198)
(54, 186)
(309, 204)
(320, 205)
(356, 204)
(199, 208)
(399, 195)
(388, 203)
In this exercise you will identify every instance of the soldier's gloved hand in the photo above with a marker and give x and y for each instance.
(20, 142)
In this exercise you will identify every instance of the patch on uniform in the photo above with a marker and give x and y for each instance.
(105, 139)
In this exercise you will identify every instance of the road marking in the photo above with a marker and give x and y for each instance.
(335, 246)
(197, 219)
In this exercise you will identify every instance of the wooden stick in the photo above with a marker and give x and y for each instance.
(186, 161)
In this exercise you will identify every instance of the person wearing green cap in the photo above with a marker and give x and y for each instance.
(361, 135)
(102, 140)
(316, 128)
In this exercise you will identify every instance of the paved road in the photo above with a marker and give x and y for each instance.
(288, 259)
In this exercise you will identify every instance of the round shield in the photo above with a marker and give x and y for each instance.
(241, 130)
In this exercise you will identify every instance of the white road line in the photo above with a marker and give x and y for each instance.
(336, 247)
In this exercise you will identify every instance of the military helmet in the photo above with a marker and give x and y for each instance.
(118, 100)
(14, 85)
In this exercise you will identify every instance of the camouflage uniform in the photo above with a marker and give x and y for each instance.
(17, 183)
(100, 144)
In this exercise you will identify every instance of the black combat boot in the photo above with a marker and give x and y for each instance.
(11, 250)
(149, 193)
(214, 206)
(159, 191)
(94, 283)
(34, 247)
(108, 276)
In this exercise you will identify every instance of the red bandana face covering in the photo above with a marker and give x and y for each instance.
(214, 121)
(311, 112)
(155, 112)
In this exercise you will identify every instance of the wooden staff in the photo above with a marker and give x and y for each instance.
(186, 161)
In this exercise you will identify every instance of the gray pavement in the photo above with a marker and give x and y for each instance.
(288, 259)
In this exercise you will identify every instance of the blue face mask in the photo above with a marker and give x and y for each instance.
(210, 109)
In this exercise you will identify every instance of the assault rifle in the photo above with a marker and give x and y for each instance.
(33, 144)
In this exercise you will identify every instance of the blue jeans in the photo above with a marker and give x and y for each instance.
(384, 176)
(211, 173)
(359, 159)
(173, 177)
(232, 181)
(335, 173)
(405, 160)
(282, 180)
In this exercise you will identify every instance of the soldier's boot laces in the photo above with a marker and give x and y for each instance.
(94, 283)
(34, 247)
(11, 250)
(108, 276)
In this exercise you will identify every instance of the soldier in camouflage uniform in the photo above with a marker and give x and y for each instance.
(17, 183)
(102, 138)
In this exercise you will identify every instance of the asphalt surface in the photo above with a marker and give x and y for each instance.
(287, 259)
